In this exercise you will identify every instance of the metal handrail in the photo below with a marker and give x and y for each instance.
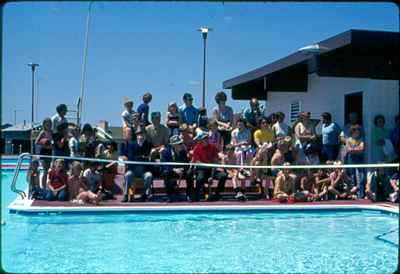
(14, 181)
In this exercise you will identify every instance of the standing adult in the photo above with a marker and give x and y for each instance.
(143, 109)
(59, 118)
(188, 112)
(353, 120)
(380, 135)
(304, 132)
(395, 136)
(330, 137)
(223, 114)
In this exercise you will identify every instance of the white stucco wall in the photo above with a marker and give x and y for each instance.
(327, 94)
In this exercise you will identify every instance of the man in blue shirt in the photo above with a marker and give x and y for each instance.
(137, 150)
(188, 112)
(143, 109)
(330, 137)
(253, 114)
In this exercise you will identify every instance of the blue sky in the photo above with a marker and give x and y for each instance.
(137, 47)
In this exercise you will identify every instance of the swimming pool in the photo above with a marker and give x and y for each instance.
(326, 241)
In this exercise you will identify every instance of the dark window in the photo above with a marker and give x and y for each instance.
(353, 103)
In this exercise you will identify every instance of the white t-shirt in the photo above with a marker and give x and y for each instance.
(127, 117)
(238, 137)
(57, 120)
(280, 129)
(73, 144)
(93, 178)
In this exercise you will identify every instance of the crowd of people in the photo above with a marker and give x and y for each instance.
(190, 135)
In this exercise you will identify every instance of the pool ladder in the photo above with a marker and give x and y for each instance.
(21, 157)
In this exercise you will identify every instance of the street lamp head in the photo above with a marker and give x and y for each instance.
(33, 65)
(204, 29)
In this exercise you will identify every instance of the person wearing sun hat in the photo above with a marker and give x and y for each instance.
(203, 152)
(176, 152)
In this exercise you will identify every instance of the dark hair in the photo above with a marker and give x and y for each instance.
(377, 117)
(61, 107)
(327, 116)
(87, 127)
(187, 95)
(147, 96)
(263, 118)
(220, 96)
(280, 114)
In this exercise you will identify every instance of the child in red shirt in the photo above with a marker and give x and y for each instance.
(57, 182)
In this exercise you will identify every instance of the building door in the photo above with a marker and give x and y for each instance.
(353, 103)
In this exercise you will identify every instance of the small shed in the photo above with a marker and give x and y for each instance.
(17, 138)
(354, 71)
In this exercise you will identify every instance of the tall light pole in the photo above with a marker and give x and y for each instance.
(85, 49)
(204, 31)
(33, 67)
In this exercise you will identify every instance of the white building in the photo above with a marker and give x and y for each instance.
(355, 71)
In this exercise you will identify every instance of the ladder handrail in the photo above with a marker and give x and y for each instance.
(14, 181)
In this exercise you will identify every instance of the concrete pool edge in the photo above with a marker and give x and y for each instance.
(21, 206)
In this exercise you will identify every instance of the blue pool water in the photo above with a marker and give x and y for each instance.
(12, 160)
(330, 242)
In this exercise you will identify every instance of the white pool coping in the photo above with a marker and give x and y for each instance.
(20, 205)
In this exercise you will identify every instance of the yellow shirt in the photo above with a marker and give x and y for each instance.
(264, 136)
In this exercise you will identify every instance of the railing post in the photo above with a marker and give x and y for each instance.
(14, 181)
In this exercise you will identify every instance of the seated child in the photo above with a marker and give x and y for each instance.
(96, 181)
(322, 182)
(306, 187)
(394, 182)
(33, 179)
(341, 185)
(239, 183)
(93, 177)
(78, 188)
(174, 119)
(284, 185)
(57, 182)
